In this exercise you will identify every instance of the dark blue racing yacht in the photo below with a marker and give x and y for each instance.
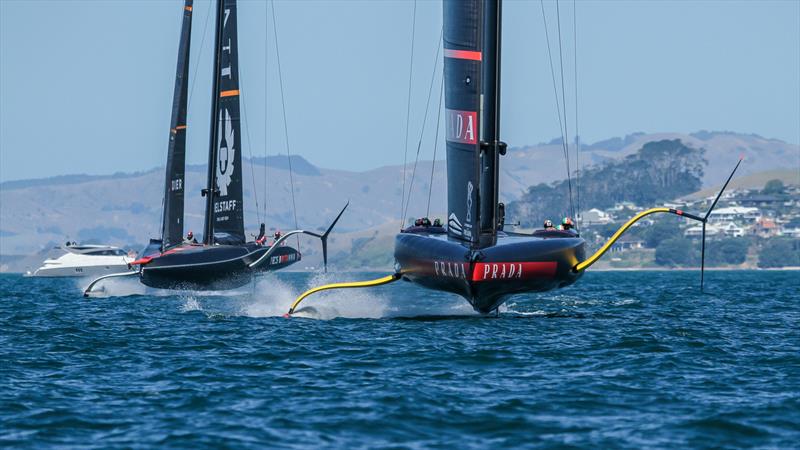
(224, 259)
(472, 255)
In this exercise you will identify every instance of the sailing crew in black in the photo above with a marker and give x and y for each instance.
(548, 225)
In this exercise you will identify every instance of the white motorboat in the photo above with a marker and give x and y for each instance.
(85, 261)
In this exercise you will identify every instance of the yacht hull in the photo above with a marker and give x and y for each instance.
(79, 271)
(487, 277)
(217, 267)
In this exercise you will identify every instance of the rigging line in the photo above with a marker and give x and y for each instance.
(555, 89)
(577, 133)
(424, 120)
(285, 126)
(249, 148)
(199, 55)
(266, 107)
(435, 145)
(249, 144)
(408, 113)
(553, 75)
(564, 101)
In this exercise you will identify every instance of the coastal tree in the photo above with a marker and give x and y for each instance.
(727, 251)
(677, 252)
(664, 227)
(773, 187)
(659, 171)
(780, 252)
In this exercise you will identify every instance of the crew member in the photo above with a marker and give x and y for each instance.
(277, 235)
(437, 222)
(548, 225)
(262, 235)
(190, 238)
(567, 224)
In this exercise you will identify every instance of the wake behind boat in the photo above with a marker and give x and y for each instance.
(224, 259)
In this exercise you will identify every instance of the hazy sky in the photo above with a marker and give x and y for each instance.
(86, 86)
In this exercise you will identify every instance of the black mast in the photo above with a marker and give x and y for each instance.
(491, 146)
(211, 185)
(172, 225)
(225, 210)
(472, 109)
(463, 31)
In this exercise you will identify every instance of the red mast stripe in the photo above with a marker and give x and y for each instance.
(462, 54)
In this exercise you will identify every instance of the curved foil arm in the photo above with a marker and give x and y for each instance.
(346, 285)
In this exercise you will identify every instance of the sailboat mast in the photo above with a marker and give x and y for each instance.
(172, 225)
(491, 146)
(211, 187)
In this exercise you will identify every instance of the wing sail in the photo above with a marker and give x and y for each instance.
(227, 209)
(462, 72)
(172, 225)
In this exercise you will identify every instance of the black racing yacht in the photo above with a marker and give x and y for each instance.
(472, 255)
(224, 259)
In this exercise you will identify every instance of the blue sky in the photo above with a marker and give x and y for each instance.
(86, 86)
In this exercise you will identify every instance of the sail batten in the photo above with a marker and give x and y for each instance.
(172, 225)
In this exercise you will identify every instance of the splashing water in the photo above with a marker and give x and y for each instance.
(272, 297)
(115, 287)
(191, 304)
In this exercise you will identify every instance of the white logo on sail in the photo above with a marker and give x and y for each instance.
(226, 152)
(454, 225)
(469, 201)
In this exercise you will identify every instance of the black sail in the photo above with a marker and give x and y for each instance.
(472, 101)
(462, 71)
(172, 227)
(225, 217)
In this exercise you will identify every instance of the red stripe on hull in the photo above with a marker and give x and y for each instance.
(513, 270)
(462, 54)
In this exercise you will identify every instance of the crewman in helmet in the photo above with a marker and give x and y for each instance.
(566, 224)
(190, 238)
(548, 225)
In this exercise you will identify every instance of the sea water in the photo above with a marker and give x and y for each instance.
(621, 359)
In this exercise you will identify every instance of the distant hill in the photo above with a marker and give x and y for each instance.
(657, 172)
(754, 181)
(125, 208)
(542, 163)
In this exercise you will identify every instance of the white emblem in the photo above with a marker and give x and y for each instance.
(226, 152)
(469, 201)
(454, 225)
